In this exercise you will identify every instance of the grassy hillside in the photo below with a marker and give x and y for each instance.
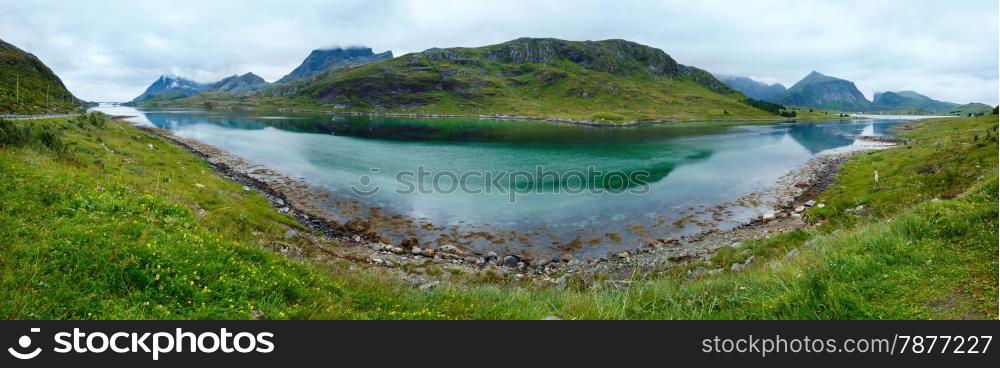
(27, 86)
(974, 109)
(101, 220)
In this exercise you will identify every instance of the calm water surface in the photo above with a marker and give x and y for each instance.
(694, 175)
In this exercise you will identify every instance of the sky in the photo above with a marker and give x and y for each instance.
(111, 50)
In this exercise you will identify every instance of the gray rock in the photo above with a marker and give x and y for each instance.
(429, 285)
(510, 261)
(566, 257)
(356, 239)
(471, 260)
(521, 266)
(561, 281)
(448, 248)
(623, 255)
(246, 188)
(291, 234)
(821, 205)
(799, 209)
(397, 250)
(416, 251)
(736, 267)
(768, 217)
(810, 203)
(376, 247)
(736, 245)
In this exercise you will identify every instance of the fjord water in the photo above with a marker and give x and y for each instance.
(697, 173)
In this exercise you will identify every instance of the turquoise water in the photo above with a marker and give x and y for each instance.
(635, 183)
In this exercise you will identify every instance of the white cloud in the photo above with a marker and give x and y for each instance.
(111, 50)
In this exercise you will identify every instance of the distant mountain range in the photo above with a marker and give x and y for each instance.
(610, 80)
(820, 91)
(168, 88)
(754, 89)
(28, 86)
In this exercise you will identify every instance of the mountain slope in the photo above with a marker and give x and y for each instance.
(27, 86)
(332, 59)
(602, 80)
(821, 91)
(909, 101)
(246, 83)
(754, 89)
(171, 88)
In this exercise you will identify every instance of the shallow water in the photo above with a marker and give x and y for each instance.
(634, 183)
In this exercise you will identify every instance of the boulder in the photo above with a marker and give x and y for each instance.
(510, 261)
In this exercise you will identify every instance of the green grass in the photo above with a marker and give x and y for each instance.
(96, 224)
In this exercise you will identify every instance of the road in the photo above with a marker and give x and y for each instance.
(33, 117)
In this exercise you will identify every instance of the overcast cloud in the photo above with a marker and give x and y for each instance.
(110, 50)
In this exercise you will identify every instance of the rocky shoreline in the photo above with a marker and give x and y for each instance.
(505, 117)
(290, 196)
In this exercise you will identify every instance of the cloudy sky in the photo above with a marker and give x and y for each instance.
(110, 50)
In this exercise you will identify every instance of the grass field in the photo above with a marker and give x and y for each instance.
(100, 220)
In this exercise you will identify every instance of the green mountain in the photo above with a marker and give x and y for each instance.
(825, 92)
(27, 86)
(610, 80)
(909, 101)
